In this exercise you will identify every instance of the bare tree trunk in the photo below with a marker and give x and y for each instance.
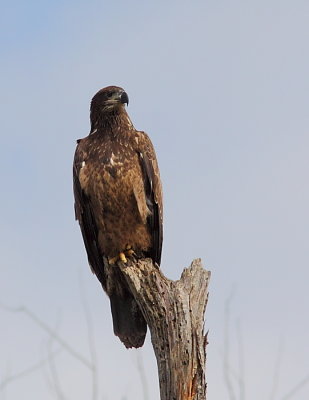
(174, 312)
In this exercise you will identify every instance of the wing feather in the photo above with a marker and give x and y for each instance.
(153, 192)
(86, 219)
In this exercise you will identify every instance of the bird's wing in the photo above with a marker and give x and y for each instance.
(153, 193)
(84, 215)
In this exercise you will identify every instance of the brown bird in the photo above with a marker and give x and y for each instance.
(118, 203)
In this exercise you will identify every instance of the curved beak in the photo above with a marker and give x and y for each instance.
(124, 98)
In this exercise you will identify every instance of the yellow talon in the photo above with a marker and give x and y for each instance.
(122, 257)
(129, 251)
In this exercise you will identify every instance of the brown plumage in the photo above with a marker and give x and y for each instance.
(118, 203)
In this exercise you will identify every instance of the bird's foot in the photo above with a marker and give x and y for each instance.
(128, 252)
(120, 257)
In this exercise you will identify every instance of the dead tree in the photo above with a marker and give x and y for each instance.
(174, 312)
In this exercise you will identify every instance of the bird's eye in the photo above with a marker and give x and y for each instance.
(109, 95)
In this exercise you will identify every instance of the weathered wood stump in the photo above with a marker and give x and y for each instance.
(174, 312)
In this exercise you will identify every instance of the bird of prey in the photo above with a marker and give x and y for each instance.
(118, 203)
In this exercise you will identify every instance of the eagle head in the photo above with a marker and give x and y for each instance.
(111, 98)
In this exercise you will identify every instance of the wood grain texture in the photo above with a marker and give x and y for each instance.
(174, 312)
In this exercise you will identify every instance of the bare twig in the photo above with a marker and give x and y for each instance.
(51, 332)
(55, 337)
(56, 381)
(241, 366)
(141, 370)
(91, 342)
(296, 388)
(277, 367)
(27, 371)
(53, 370)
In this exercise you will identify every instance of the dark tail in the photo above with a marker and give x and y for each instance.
(129, 323)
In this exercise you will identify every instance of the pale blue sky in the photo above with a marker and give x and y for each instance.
(222, 89)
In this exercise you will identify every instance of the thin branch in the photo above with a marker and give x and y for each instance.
(91, 341)
(53, 370)
(141, 370)
(12, 378)
(241, 364)
(50, 331)
(56, 381)
(277, 367)
(296, 388)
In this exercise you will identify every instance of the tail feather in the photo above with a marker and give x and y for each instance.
(129, 323)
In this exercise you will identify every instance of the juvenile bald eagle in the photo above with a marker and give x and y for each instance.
(118, 203)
